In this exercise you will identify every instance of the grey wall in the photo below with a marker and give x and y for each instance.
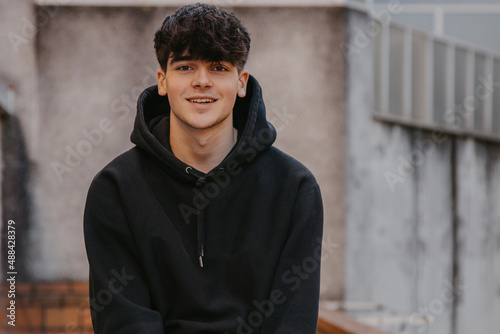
(93, 62)
(429, 244)
(478, 167)
(405, 245)
(18, 132)
(18, 60)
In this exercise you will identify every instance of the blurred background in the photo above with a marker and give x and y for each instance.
(393, 105)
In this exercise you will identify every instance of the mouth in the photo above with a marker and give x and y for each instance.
(202, 101)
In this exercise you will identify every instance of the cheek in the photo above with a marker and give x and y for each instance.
(174, 96)
(231, 91)
(174, 84)
(230, 96)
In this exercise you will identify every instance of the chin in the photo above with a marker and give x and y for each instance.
(202, 125)
(206, 124)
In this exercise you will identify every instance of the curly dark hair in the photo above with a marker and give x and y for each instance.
(204, 32)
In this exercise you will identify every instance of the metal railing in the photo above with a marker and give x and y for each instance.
(435, 82)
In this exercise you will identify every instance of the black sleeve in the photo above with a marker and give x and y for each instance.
(119, 296)
(292, 306)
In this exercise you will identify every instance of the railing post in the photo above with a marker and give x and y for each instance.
(450, 81)
(407, 77)
(429, 81)
(488, 95)
(384, 70)
(469, 96)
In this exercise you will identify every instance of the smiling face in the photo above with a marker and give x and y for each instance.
(201, 93)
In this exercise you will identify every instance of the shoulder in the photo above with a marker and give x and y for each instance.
(125, 166)
(288, 168)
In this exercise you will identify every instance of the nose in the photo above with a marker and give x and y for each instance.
(202, 78)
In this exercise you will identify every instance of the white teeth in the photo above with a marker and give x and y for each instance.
(201, 100)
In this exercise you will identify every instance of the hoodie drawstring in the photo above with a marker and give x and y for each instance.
(200, 183)
(201, 236)
(201, 224)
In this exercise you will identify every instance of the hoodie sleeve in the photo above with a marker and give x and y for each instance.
(292, 306)
(119, 296)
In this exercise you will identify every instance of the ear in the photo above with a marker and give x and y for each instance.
(242, 83)
(161, 78)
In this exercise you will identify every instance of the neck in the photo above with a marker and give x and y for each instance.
(202, 149)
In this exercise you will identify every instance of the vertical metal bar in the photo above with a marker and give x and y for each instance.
(377, 67)
(486, 93)
(384, 70)
(470, 99)
(429, 81)
(407, 75)
(450, 83)
(495, 77)
(439, 21)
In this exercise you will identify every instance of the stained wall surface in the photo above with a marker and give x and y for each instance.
(18, 69)
(93, 62)
(428, 244)
(422, 219)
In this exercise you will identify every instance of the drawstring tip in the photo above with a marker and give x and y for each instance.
(202, 253)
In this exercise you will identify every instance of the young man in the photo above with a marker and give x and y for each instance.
(203, 226)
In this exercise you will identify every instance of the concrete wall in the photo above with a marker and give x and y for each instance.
(19, 136)
(18, 61)
(427, 244)
(93, 62)
(478, 236)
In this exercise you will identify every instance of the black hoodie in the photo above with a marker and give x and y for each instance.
(175, 250)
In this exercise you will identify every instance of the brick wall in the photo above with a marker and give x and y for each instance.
(47, 308)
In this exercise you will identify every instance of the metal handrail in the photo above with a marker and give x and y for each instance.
(435, 82)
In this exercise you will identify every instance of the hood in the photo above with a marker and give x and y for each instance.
(255, 133)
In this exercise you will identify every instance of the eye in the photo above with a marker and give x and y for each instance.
(183, 68)
(220, 68)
